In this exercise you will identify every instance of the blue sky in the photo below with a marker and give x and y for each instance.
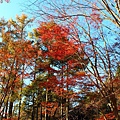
(13, 8)
(9, 10)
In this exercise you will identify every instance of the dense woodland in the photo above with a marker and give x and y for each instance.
(66, 68)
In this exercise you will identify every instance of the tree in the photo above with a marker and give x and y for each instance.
(94, 24)
(54, 71)
(61, 50)
(16, 54)
(71, 63)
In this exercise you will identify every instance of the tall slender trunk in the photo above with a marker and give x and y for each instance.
(20, 96)
(10, 106)
(67, 99)
(19, 108)
(37, 111)
(33, 109)
(61, 108)
(10, 109)
(40, 111)
(61, 103)
(67, 108)
(46, 103)
(6, 109)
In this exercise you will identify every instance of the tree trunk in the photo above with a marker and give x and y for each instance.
(67, 108)
(37, 112)
(40, 112)
(33, 109)
(46, 105)
(6, 109)
(67, 99)
(114, 106)
(10, 109)
(61, 108)
(19, 108)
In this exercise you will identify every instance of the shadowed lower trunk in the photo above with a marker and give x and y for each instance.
(10, 109)
(114, 106)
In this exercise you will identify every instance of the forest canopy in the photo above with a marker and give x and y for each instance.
(66, 68)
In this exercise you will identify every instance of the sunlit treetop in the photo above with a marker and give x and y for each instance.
(56, 38)
(49, 32)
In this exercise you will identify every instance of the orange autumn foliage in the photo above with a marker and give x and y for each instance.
(56, 39)
(80, 73)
